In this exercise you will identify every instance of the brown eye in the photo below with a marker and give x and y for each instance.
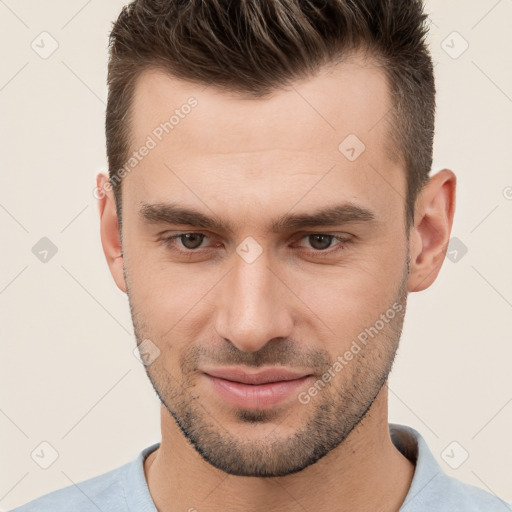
(191, 240)
(188, 241)
(320, 242)
(324, 245)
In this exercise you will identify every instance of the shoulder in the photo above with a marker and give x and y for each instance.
(432, 488)
(447, 494)
(90, 495)
(118, 490)
(461, 497)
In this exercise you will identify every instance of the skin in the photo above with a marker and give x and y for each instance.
(248, 162)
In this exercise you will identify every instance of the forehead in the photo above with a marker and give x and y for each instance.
(351, 97)
(223, 141)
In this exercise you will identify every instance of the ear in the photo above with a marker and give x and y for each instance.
(429, 237)
(109, 229)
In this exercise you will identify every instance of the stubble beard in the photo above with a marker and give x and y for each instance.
(330, 416)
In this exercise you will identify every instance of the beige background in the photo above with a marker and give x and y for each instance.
(68, 373)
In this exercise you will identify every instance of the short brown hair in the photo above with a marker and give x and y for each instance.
(256, 46)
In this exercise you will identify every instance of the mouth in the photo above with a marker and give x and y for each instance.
(255, 390)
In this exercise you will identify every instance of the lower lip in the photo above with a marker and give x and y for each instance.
(260, 396)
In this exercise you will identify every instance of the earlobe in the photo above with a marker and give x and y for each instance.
(429, 237)
(109, 230)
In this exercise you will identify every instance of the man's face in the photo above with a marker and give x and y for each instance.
(257, 294)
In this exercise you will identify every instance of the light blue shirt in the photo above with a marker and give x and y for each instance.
(124, 489)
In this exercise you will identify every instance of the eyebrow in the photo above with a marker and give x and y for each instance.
(170, 213)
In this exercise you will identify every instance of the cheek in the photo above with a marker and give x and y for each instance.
(352, 297)
(166, 295)
(182, 298)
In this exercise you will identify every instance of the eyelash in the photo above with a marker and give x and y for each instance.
(169, 242)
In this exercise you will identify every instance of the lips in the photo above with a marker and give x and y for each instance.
(255, 390)
(261, 377)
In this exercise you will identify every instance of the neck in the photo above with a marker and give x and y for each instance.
(365, 472)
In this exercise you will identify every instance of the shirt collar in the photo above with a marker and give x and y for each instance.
(406, 439)
(427, 470)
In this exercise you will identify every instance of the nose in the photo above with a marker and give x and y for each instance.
(253, 306)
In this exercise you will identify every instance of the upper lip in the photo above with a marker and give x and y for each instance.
(260, 377)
